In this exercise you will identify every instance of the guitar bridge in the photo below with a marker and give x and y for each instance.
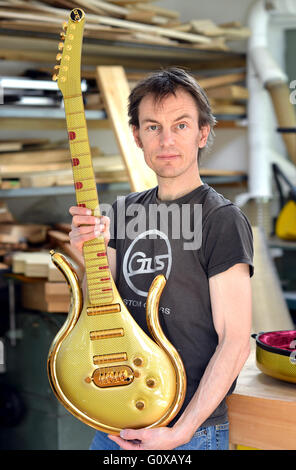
(112, 376)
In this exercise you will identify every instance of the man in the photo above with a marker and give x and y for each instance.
(205, 308)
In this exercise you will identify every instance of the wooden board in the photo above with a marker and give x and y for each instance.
(262, 410)
(220, 80)
(230, 92)
(114, 87)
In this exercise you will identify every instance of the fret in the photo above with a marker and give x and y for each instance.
(95, 260)
(93, 278)
(75, 112)
(75, 155)
(74, 128)
(95, 251)
(85, 179)
(78, 141)
(86, 167)
(90, 200)
(85, 190)
(95, 272)
(104, 279)
(72, 96)
(100, 296)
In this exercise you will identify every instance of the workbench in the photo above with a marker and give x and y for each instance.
(262, 410)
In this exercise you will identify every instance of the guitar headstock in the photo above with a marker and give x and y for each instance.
(67, 69)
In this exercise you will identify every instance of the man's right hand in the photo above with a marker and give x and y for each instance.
(86, 227)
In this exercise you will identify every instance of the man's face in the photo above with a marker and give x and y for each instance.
(169, 134)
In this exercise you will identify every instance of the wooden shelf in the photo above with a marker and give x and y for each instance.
(108, 52)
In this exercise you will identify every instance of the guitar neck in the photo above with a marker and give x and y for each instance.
(98, 275)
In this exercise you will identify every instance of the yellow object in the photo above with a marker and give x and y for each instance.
(276, 365)
(239, 447)
(286, 222)
(101, 365)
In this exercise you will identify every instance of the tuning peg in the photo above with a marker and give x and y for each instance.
(62, 36)
(60, 46)
(57, 67)
(55, 77)
(65, 25)
(58, 56)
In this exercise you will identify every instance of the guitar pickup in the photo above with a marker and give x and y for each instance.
(112, 376)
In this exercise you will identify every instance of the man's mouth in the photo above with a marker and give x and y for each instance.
(168, 156)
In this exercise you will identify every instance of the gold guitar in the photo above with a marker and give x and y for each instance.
(101, 365)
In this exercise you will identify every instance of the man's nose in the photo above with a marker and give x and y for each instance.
(167, 138)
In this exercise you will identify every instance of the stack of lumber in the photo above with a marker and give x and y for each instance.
(35, 264)
(16, 236)
(45, 296)
(43, 286)
(52, 167)
(130, 21)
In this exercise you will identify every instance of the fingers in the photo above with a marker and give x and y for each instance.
(126, 445)
(86, 227)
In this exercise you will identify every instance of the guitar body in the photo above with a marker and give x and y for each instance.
(134, 381)
(101, 365)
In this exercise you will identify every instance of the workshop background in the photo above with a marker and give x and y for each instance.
(243, 53)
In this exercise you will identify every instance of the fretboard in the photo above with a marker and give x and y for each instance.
(98, 275)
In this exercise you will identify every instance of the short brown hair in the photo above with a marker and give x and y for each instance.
(166, 82)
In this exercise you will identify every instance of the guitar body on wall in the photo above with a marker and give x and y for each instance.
(101, 365)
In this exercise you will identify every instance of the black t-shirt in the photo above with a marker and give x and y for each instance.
(188, 240)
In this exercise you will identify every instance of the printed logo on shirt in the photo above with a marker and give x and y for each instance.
(140, 268)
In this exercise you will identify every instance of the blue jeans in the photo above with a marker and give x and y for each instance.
(204, 438)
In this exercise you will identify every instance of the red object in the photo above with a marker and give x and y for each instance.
(101, 253)
(75, 161)
(72, 135)
(78, 185)
(285, 339)
(81, 205)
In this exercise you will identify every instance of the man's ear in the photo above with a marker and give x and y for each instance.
(204, 134)
(136, 134)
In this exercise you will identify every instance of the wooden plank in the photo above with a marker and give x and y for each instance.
(206, 27)
(167, 32)
(173, 14)
(113, 84)
(107, 169)
(230, 92)
(261, 423)
(18, 170)
(129, 2)
(210, 29)
(228, 108)
(57, 155)
(225, 79)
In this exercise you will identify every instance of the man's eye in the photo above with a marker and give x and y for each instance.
(182, 125)
(153, 127)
